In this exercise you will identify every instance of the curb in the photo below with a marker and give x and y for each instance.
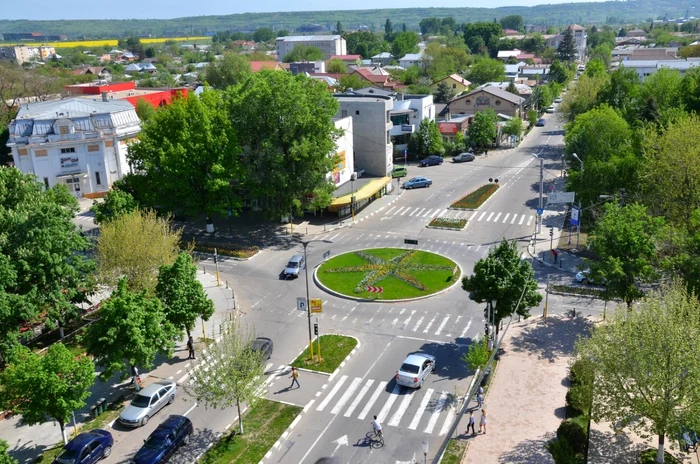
(446, 228)
(335, 372)
(543, 262)
(456, 208)
(211, 255)
(286, 433)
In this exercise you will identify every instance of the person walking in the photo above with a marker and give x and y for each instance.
(470, 423)
(294, 377)
(480, 399)
(136, 379)
(482, 421)
(190, 347)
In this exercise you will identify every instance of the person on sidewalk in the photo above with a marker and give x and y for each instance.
(480, 400)
(482, 421)
(190, 347)
(136, 379)
(294, 377)
(470, 423)
(555, 253)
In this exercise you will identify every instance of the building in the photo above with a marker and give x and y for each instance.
(450, 126)
(328, 44)
(32, 37)
(646, 54)
(412, 58)
(501, 101)
(256, 66)
(76, 142)
(381, 79)
(505, 55)
(21, 54)
(342, 171)
(301, 68)
(98, 71)
(126, 91)
(645, 69)
(383, 58)
(349, 59)
(455, 82)
(580, 39)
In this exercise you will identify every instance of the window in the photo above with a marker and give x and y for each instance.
(98, 181)
(401, 139)
(399, 119)
(357, 112)
(344, 113)
(454, 86)
(46, 182)
(41, 152)
(68, 150)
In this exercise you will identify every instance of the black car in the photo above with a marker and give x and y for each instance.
(431, 160)
(540, 123)
(264, 345)
(164, 440)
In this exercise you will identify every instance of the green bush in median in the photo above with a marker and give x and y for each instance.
(476, 198)
(334, 350)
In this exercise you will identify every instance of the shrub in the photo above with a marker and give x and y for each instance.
(226, 250)
(580, 394)
(561, 451)
(572, 406)
(574, 434)
(450, 223)
(476, 198)
(649, 457)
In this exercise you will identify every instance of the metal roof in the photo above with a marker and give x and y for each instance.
(308, 38)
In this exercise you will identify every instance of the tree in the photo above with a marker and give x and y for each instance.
(132, 330)
(188, 156)
(350, 81)
(482, 130)
(689, 51)
(144, 110)
(582, 97)
(621, 91)
(513, 127)
(151, 52)
(502, 276)
(596, 67)
(624, 239)
(388, 28)
(477, 354)
(264, 34)
(534, 44)
(303, 53)
(442, 61)
(646, 365)
(622, 32)
(602, 52)
(512, 88)
(660, 96)
(597, 38)
(116, 203)
(54, 384)
(482, 34)
(427, 140)
(338, 28)
(282, 33)
(364, 43)
(443, 93)
(286, 125)
(690, 89)
(235, 378)
(487, 70)
(404, 42)
(230, 70)
(5, 458)
(336, 66)
(150, 242)
(182, 295)
(132, 44)
(514, 22)
(566, 51)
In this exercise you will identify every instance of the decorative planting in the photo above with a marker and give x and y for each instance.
(448, 223)
(476, 198)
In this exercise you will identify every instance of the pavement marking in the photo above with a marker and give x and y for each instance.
(389, 403)
(439, 342)
(414, 211)
(334, 237)
(332, 393)
(393, 323)
(358, 398)
(435, 213)
(442, 326)
(515, 216)
(405, 323)
(429, 324)
(396, 418)
(529, 220)
(505, 219)
(448, 420)
(420, 321)
(427, 213)
(490, 216)
(178, 372)
(497, 216)
(405, 211)
(348, 393)
(190, 410)
(482, 216)
(421, 409)
(464, 332)
(443, 212)
(390, 210)
(477, 248)
(372, 399)
(398, 210)
(521, 220)
(436, 413)
(403, 310)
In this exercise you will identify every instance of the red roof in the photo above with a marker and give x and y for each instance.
(525, 56)
(510, 32)
(346, 57)
(256, 66)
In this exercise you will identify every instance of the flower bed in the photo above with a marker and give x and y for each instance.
(226, 250)
(476, 198)
(448, 223)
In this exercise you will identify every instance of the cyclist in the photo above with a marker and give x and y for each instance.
(377, 427)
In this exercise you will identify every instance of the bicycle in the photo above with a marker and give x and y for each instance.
(378, 437)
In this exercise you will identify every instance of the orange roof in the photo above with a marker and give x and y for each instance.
(346, 57)
(256, 66)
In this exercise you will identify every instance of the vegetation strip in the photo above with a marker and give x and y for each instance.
(454, 451)
(476, 198)
(226, 250)
(334, 350)
(448, 223)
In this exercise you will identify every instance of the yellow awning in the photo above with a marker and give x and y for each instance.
(366, 191)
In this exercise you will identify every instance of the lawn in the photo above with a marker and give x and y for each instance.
(454, 452)
(398, 281)
(263, 424)
(334, 349)
(476, 198)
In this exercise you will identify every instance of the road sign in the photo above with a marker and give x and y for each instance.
(372, 289)
(575, 216)
(555, 198)
(301, 303)
(316, 305)
(410, 241)
(326, 254)
(540, 211)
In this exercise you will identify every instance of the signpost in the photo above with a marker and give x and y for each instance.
(301, 303)
(575, 221)
(318, 339)
(410, 241)
(316, 305)
(326, 254)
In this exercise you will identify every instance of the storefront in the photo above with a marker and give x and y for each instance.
(375, 188)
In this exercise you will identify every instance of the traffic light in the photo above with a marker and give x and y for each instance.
(551, 232)
(315, 329)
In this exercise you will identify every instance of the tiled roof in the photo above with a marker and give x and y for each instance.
(256, 66)
(496, 92)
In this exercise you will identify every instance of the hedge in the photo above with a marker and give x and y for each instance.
(449, 223)
(226, 250)
(476, 198)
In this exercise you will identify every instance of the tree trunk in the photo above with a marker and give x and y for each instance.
(63, 431)
(660, 453)
(240, 417)
(61, 330)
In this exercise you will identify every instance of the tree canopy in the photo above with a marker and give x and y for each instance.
(304, 53)
(264, 34)
(482, 34)
(365, 43)
(514, 22)
(230, 70)
(487, 70)
(5, 458)
(403, 43)
(426, 140)
(115, 203)
(482, 130)
(566, 51)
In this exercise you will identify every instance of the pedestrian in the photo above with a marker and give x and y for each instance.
(190, 347)
(471, 422)
(136, 379)
(482, 421)
(480, 400)
(555, 253)
(480, 390)
(294, 377)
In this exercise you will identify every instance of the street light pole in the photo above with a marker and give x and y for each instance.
(538, 229)
(578, 227)
(353, 176)
(308, 301)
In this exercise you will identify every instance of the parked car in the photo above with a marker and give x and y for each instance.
(86, 448)
(431, 160)
(462, 157)
(417, 182)
(147, 402)
(557, 100)
(399, 171)
(550, 109)
(584, 277)
(264, 345)
(164, 441)
(415, 369)
(540, 123)
(294, 266)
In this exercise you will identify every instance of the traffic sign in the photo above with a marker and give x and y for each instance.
(301, 303)
(575, 216)
(410, 241)
(326, 254)
(372, 289)
(316, 305)
(315, 329)
(540, 211)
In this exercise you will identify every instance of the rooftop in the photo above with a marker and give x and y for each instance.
(308, 38)
(72, 108)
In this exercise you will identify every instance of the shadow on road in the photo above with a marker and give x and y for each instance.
(529, 452)
(552, 338)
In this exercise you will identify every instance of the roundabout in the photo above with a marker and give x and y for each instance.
(387, 274)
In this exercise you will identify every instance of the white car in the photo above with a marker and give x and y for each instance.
(415, 369)
(557, 100)
(550, 109)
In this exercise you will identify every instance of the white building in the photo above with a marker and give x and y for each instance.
(328, 44)
(78, 142)
(342, 171)
(412, 58)
(22, 54)
(579, 35)
(647, 68)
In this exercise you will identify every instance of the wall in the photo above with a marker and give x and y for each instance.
(158, 99)
(460, 105)
(345, 149)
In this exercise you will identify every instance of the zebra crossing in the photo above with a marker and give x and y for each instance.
(486, 216)
(420, 410)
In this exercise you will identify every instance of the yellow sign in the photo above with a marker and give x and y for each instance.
(316, 305)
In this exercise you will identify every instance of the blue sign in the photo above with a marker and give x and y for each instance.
(540, 211)
(575, 216)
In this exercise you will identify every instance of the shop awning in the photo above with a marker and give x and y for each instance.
(71, 174)
(366, 191)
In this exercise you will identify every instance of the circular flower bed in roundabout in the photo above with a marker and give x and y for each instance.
(399, 273)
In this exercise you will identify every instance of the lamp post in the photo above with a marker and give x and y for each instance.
(353, 176)
(426, 448)
(578, 227)
(538, 229)
(308, 305)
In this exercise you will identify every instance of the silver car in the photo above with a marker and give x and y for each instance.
(147, 402)
(294, 266)
(415, 369)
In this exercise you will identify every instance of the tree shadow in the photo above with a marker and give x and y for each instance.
(199, 442)
(607, 446)
(448, 359)
(531, 451)
(551, 338)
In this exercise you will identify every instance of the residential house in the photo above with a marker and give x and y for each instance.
(347, 58)
(637, 33)
(256, 66)
(455, 82)
(99, 71)
(246, 45)
(660, 53)
(505, 55)
(328, 44)
(510, 32)
(383, 58)
(383, 81)
(645, 69)
(480, 99)
(450, 126)
(21, 54)
(411, 59)
(523, 89)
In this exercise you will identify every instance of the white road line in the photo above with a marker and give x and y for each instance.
(359, 397)
(429, 324)
(477, 248)
(442, 326)
(420, 321)
(521, 220)
(334, 237)
(421, 409)
(529, 220)
(390, 209)
(497, 216)
(444, 211)
(505, 219)
(405, 323)
(389, 403)
(405, 211)
(190, 410)
(436, 413)
(372, 400)
(420, 212)
(448, 420)
(330, 396)
(464, 332)
(482, 216)
(348, 393)
(490, 216)
(435, 213)
(427, 212)
(399, 210)
(515, 216)
(396, 418)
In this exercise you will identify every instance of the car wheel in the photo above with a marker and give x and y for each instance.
(171, 400)
(107, 451)
(144, 421)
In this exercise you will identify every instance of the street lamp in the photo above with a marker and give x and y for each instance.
(353, 176)
(308, 306)
(578, 227)
(492, 321)
(426, 447)
(541, 204)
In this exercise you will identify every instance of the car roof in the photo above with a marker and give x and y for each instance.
(81, 440)
(296, 258)
(172, 422)
(155, 387)
(416, 359)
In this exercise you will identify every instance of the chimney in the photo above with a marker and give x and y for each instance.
(104, 97)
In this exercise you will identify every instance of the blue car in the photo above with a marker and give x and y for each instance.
(417, 182)
(86, 448)
(164, 440)
(431, 160)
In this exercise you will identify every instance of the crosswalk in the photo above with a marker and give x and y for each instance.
(426, 410)
(479, 216)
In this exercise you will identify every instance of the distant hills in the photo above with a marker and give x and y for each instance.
(612, 12)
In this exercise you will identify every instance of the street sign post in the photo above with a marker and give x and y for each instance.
(326, 254)
(575, 216)
(301, 303)
(540, 211)
(316, 305)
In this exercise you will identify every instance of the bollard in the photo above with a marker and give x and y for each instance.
(204, 269)
(560, 261)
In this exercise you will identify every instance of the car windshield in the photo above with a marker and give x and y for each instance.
(67, 457)
(141, 401)
(410, 368)
(293, 264)
(155, 442)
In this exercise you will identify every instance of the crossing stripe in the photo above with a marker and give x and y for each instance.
(529, 221)
(348, 393)
(443, 212)
(389, 403)
(390, 210)
(497, 216)
(490, 216)
(420, 212)
(442, 326)
(436, 211)
(405, 323)
(396, 418)
(482, 216)
(330, 396)
(464, 332)
(521, 220)
(398, 210)
(421, 409)
(506, 218)
(427, 212)
(448, 420)
(420, 321)
(515, 216)
(436, 412)
(429, 324)
(414, 211)
(359, 397)
(372, 400)
(405, 211)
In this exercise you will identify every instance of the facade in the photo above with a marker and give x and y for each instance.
(451, 126)
(457, 83)
(22, 54)
(645, 69)
(410, 59)
(342, 172)
(126, 91)
(328, 44)
(77, 142)
(382, 58)
(580, 39)
(500, 101)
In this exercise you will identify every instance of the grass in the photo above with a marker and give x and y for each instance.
(449, 223)
(476, 198)
(263, 424)
(108, 42)
(334, 350)
(393, 287)
(649, 457)
(454, 451)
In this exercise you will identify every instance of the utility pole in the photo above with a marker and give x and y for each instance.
(580, 209)
(546, 299)
(539, 223)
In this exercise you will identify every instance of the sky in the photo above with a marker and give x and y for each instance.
(161, 9)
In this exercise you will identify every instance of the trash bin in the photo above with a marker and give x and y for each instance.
(485, 378)
(93, 411)
(100, 406)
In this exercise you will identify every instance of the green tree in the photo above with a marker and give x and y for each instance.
(514, 22)
(596, 68)
(132, 330)
(645, 365)
(144, 110)
(303, 53)
(350, 81)
(5, 458)
(336, 66)
(364, 43)
(52, 385)
(512, 88)
(513, 127)
(182, 295)
(338, 28)
(690, 89)
(429, 25)
(189, 156)
(151, 52)
(116, 203)
(502, 276)
(624, 239)
(487, 70)
(621, 91)
(404, 42)
(477, 354)
(388, 28)
(598, 38)
(282, 33)
(566, 51)
(660, 96)
(690, 51)
(482, 130)
(286, 125)
(233, 380)
(443, 93)
(602, 52)
(534, 44)
(582, 97)
(264, 34)
(444, 61)
(230, 70)
(426, 140)
(532, 117)
(480, 34)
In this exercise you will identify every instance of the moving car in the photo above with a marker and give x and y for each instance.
(147, 402)
(557, 100)
(585, 277)
(550, 109)
(86, 448)
(540, 122)
(415, 369)
(431, 160)
(417, 182)
(164, 441)
(294, 266)
(399, 171)
(463, 157)
(264, 345)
